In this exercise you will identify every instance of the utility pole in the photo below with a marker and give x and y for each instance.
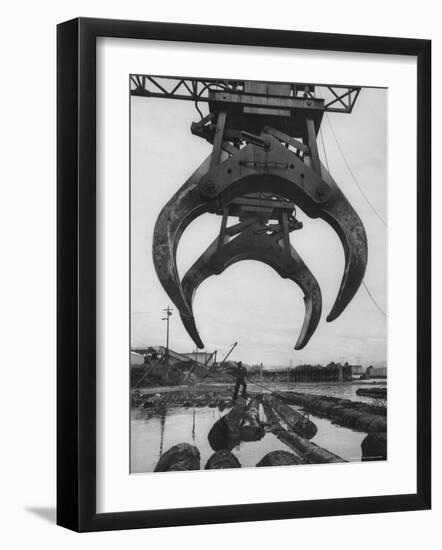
(167, 319)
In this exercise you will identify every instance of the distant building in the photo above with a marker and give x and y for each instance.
(333, 372)
(376, 372)
(254, 369)
(357, 370)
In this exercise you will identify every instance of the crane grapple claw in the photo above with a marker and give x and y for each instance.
(255, 243)
(276, 170)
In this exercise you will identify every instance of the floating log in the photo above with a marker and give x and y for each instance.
(376, 393)
(155, 401)
(241, 423)
(309, 451)
(374, 446)
(279, 458)
(251, 428)
(299, 423)
(225, 433)
(179, 457)
(350, 414)
(312, 453)
(222, 459)
(194, 397)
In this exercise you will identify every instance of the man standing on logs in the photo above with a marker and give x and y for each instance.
(240, 374)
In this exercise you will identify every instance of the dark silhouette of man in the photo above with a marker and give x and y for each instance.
(240, 375)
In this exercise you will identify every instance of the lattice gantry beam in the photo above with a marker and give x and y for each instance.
(325, 97)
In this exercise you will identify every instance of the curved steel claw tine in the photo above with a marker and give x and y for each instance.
(254, 245)
(250, 170)
(339, 213)
(186, 205)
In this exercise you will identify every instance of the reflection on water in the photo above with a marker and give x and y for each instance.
(154, 433)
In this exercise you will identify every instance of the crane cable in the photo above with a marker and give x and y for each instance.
(323, 148)
(352, 173)
(372, 298)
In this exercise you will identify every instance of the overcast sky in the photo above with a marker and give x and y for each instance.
(249, 303)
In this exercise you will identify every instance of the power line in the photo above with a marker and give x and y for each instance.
(373, 300)
(363, 194)
(352, 174)
(323, 147)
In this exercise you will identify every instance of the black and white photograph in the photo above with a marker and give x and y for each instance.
(219, 318)
(258, 273)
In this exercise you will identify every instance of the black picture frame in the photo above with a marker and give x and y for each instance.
(76, 274)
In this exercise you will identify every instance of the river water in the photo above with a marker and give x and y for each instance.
(152, 434)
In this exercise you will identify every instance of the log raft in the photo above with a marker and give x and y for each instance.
(289, 425)
(309, 451)
(344, 412)
(296, 421)
(375, 393)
